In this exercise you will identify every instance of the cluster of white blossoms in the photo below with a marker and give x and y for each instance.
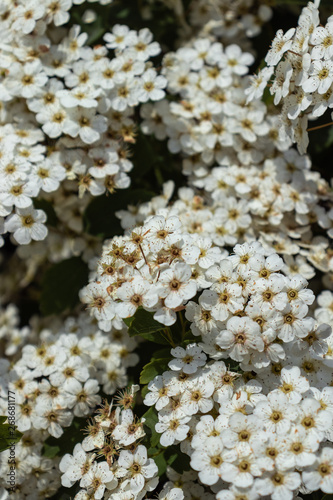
(247, 438)
(229, 20)
(126, 472)
(240, 402)
(210, 122)
(56, 375)
(252, 184)
(267, 429)
(300, 69)
(282, 211)
(67, 109)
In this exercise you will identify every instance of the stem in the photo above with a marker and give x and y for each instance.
(319, 127)
(168, 336)
(296, 53)
(182, 323)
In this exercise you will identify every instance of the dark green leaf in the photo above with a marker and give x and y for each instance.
(144, 325)
(161, 463)
(50, 451)
(9, 436)
(61, 285)
(45, 205)
(65, 444)
(151, 419)
(100, 218)
(144, 156)
(155, 367)
(123, 13)
(178, 460)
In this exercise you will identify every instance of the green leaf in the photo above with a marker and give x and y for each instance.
(143, 157)
(61, 285)
(65, 444)
(9, 435)
(155, 367)
(151, 419)
(178, 460)
(41, 204)
(50, 451)
(144, 325)
(100, 215)
(161, 463)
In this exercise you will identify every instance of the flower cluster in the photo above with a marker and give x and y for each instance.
(124, 469)
(238, 404)
(210, 122)
(55, 377)
(67, 110)
(264, 441)
(234, 208)
(229, 20)
(300, 66)
(266, 429)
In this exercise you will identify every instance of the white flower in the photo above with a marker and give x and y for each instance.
(26, 16)
(258, 84)
(320, 474)
(82, 397)
(313, 418)
(150, 86)
(128, 431)
(293, 385)
(172, 429)
(137, 467)
(322, 39)
(74, 466)
(26, 80)
(158, 394)
(210, 462)
(280, 485)
(276, 413)
(159, 231)
(98, 478)
(241, 335)
(281, 43)
(242, 471)
(225, 299)
(320, 77)
(26, 225)
(175, 286)
(46, 417)
(300, 450)
(120, 38)
(134, 294)
(188, 360)
(197, 397)
(169, 493)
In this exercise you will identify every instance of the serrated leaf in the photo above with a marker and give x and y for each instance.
(61, 285)
(50, 451)
(176, 459)
(9, 435)
(144, 391)
(151, 419)
(161, 463)
(155, 367)
(144, 325)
